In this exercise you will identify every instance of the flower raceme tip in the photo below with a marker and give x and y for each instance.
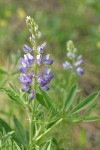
(74, 61)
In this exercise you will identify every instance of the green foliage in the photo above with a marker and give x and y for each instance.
(4, 125)
(46, 101)
(47, 146)
(85, 103)
(70, 98)
(20, 132)
(13, 96)
(16, 146)
(5, 139)
(2, 71)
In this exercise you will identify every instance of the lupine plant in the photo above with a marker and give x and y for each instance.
(43, 114)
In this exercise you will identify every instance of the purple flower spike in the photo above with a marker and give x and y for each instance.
(45, 88)
(74, 60)
(27, 49)
(31, 96)
(33, 61)
(79, 71)
(24, 88)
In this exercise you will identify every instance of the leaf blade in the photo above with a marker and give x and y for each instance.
(45, 102)
(85, 103)
(70, 98)
(47, 146)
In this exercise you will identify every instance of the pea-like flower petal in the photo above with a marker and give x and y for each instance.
(79, 71)
(27, 49)
(45, 88)
(31, 95)
(24, 88)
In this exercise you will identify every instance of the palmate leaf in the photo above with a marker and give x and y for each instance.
(70, 98)
(45, 101)
(53, 120)
(14, 96)
(85, 103)
(47, 146)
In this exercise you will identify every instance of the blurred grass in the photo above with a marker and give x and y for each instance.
(59, 21)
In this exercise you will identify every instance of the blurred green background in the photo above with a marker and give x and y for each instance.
(59, 21)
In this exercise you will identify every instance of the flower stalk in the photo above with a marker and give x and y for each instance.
(32, 60)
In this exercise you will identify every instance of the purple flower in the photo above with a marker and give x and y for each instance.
(25, 65)
(24, 88)
(27, 49)
(44, 78)
(46, 60)
(24, 62)
(40, 49)
(67, 65)
(47, 75)
(42, 81)
(25, 79)
(79, 71)
(29, 58)
(23, 70)
(31, 95)
(78, 62)
(39, 59)
(45, 88)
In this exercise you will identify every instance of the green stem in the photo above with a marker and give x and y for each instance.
(38, 138)
(31, 122)
(70, 81)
